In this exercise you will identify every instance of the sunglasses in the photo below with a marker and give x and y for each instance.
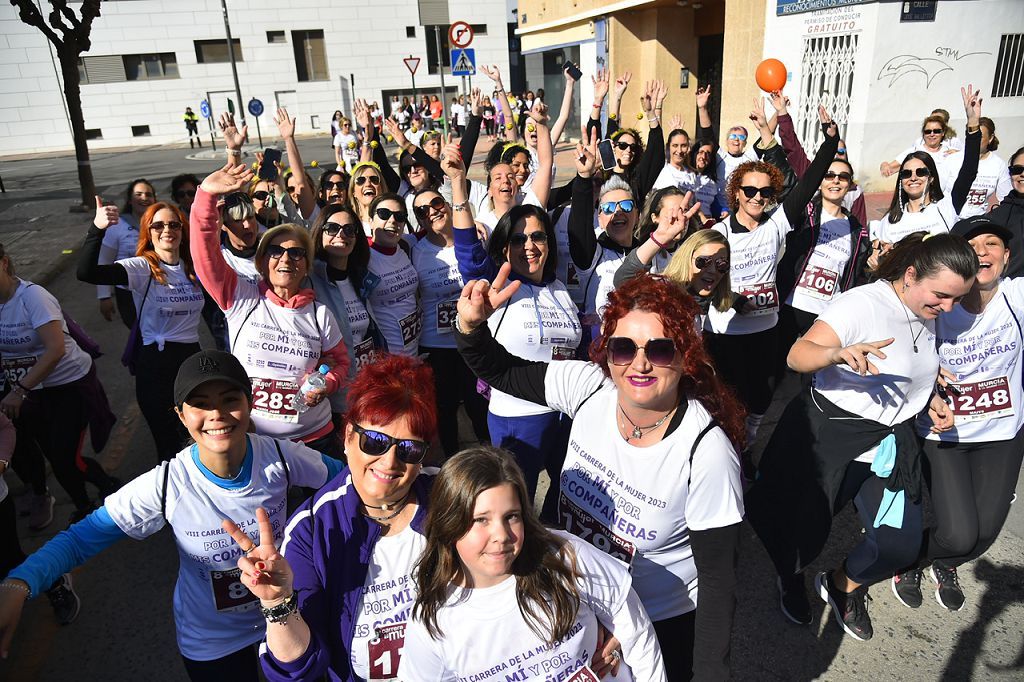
(173, 226)
(721, 264)
(385, 213)
(182, 193)
(841, 151)
(348, 229)
(375, 444)
(329, 185)
(363, 179)
(519, 238)
(609, 207)
(659, 352)
(934, 131)
(765, 192)
(261, 195)
(832, 175)
(1016, 169)
(627, 145)
(737, 136)
(276, 251)
(437, 203)
(908, 173)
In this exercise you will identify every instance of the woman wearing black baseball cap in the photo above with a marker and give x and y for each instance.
(226, 473)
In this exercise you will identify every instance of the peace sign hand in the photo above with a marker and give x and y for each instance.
(972, 105)
(586, 153)
(480, 299)
(264, 571)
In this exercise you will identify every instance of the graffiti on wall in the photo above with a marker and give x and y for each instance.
(928, 67)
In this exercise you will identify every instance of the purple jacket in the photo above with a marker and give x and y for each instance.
(328, 544)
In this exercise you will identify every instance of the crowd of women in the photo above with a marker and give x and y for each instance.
(623, 333)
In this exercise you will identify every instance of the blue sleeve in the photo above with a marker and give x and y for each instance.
(474, 263)
(68, 549)
(334, 466)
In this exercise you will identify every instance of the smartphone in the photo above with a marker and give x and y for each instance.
(574, 71)
(604, 149)
(268, 169)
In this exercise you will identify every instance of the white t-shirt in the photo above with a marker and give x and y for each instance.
(538, 323)
(904, 384)
(120, 241)
(993, 178)
(358, 317)
(705, 190)
(755, 259)
(392, 297)
(243, 267)
(385, 606)
(489, 219)
(633, 502)
(984, 352)
(597, 282)
(935, 218)
(566, 272)
(214, 613)
(349, 146)
(440, 286)
(170, 312)
(458, 114)
(946, 162)
(727, 163)
(415, 136)
(486, 637)
(819, 281)
(31, 306)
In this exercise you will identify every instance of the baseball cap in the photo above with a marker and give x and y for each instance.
(209, 365)
(968, 228)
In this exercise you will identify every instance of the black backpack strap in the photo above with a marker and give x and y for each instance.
(1009, 307)
(234, 341)
(280, 456)
(693, 450)
(163, 491)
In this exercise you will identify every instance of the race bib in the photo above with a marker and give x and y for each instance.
(364, 353)
(581, 524)
(584, 674)
(818, 282)
(977, 197)
(764, 297)
(563, 353)
(385, 651)
(229, 594)
(274, 399)
(446, 316)
(981, 400)
(15, 369)
(410, 326)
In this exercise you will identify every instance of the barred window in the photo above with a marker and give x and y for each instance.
(1009, 76)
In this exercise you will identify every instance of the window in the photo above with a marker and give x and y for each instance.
(826, 79)
(1009, 77)
(276, 37)
(144, 67)
(93, 134)
(446, 57)
(410, 31)
(310, 55)
(140, 131)
(107, 69)
(216, 51)
(479, 29)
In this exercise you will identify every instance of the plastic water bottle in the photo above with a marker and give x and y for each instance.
(314, 382)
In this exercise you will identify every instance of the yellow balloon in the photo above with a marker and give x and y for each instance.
(314, 163)
(390, 139)
(351, 145)
(531, 127)
(639, 117)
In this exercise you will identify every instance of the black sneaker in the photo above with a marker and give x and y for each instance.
(64, 601)
(907, 587)
(947, 588)
(793, 599)
(850, 608)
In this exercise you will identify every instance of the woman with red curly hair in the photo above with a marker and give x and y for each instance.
(651, 475)
(166, 330)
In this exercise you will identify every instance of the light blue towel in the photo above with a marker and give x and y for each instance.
(890, 511)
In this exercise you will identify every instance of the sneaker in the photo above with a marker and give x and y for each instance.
(907, 587)
(40, 512)
(850, 608)
(64, 601)
(947, 588)
(793, 599)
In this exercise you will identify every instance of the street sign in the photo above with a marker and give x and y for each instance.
(255, 107)
(412, 63)
(204, 109)
(464, 62)
(460, 34)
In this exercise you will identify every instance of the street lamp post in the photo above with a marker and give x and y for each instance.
(234, 67)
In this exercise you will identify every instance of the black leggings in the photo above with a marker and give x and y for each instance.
(241, 666)
(746, 362)
(154, 391)
(675, 635)
(972, 485)
(455, 383)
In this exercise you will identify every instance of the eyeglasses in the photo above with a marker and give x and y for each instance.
(348, 229)
(386, 213)
(628, 145)
(173, 226)
(609, 207)
(375, 444)
(934, 131)
(908, 173)
(832, 175)
(182, 193)
(737, 136)
(437, 203)
(721, 264)
(1016, 169)
(330, 185)
(363, 179)
(276, 251)
(260, 195)
(765, 192)
(659, 352)
(519, 238)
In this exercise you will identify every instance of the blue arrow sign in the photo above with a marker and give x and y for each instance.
(255, 107)
(204, 109)
(464, 62)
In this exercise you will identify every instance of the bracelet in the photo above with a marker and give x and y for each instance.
(660, 245)
(17, 586)
(973, 129)
(463, 206)
(234, 152)
(280, 612)
(457, 326)
(654, 120)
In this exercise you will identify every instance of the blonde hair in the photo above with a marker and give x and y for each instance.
(680, 268)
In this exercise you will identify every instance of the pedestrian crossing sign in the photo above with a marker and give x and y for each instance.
(464, 62)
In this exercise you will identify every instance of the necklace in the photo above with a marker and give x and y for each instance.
(910, 327)
(638, 431)
(399, 507)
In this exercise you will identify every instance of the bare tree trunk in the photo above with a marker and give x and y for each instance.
(73, 97)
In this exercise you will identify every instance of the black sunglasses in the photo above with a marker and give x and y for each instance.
(385, 213)
(423, 210)
(908, 173)
(622, 350)
(363, 179)
(375, 444)
(1016, 169)
(721, 264)
(934, 131)
(294, 252)
(328, 185)
(831, 175)
(261, 195)
(627, 145)
(174, 226)
(750, 192)
(348, 229)
(519, 238)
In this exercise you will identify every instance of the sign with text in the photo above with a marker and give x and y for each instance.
(784, 7)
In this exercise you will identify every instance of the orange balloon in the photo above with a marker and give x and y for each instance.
(770, 75)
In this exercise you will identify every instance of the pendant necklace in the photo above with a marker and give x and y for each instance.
(638, 431)
(397, 506)
(910, 326)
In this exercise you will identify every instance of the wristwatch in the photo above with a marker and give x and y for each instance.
(460, 207)
(281, 612)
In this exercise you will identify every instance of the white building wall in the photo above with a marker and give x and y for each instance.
(367, 40)
(959, 47)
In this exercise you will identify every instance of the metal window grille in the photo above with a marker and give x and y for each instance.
(826, 78)
(1009, 76)
(106, 69)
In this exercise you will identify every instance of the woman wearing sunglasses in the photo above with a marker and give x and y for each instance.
(651, 474)
(168, 302)
(366, 184)
(120, 242)
(678, 172)
(337, 590)
(225, 473)
(276, 328)
(392, 284)
(440, 284)
(333, 189)
(992, 179)
(1010, 213)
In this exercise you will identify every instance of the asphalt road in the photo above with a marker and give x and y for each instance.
(126, 632)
